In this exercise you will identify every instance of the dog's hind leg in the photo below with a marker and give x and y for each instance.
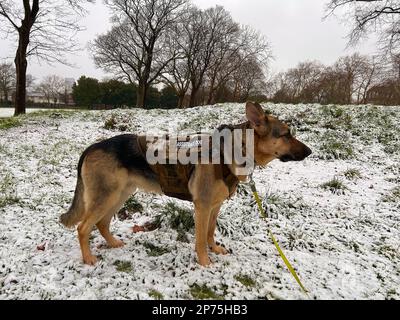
(84, 230)
(104, 224)
(105, 183)
(99, 212)
(104, 228)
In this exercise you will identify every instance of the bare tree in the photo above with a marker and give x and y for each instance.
(240, 48)
(204, 31)
(177, 76)
(371, 73)
(134, 48)
(42, 28)
(248, 80)
(300, 84)
(52, 88)
(382, 16)
(354, 70)
(7, 81)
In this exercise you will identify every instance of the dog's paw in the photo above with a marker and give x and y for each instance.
(219, 250)
(116, 244)
(90, 260)
(204, 261)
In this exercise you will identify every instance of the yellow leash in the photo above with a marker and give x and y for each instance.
(264, 217)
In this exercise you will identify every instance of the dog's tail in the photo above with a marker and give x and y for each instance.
(77, 209)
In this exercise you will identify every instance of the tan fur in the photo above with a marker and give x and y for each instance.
(106, 188)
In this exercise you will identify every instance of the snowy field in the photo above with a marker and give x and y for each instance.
(337, 214)
(9, 112)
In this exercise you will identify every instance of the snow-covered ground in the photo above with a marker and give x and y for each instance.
(8, 112)
(342, 237)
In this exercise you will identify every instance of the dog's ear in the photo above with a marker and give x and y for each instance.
(256, 115)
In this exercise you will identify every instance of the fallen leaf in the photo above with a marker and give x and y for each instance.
(41, 247)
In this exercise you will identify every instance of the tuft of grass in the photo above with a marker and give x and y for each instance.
(8, 201)
(156, 295)
(335, 186)
(393, 196)
(352, 174)
(130, 207)
(155, 251)
(111, 123)
(336, 112)
(203, 293)
(336, 149)
(8, 123)
(178, 218)
(123, 266)
(245, 280)
(391, 294)
(8, 191)
(389, 252)
(386, 137)
(182, 237)
(275, 204)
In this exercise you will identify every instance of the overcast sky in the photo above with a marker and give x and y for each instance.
(294, 28)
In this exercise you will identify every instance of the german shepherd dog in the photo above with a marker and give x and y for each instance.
(109, 172)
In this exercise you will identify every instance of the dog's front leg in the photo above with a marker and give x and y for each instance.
(202, 218)
(211, 232)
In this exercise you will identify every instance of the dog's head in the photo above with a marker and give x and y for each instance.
(273, 138)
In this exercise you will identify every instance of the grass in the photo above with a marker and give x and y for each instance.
(389, 252)
(123, 266)
(156, 295)
(178, 218)
(389, 140)
(286, 205)
(3, 149)
(52, 113)
(130, 207)
(336, 112)
(8, 123)
(335, 185)
(8, 191)
(336, 148)
(204, 293)
(246, 280)
(112, 123)
(352, 174)
(393, 196)
(155, 251)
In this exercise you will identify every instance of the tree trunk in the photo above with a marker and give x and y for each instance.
(193, 95)
(181, 99)
(141, 95)
(211, 92)
(21, 65)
